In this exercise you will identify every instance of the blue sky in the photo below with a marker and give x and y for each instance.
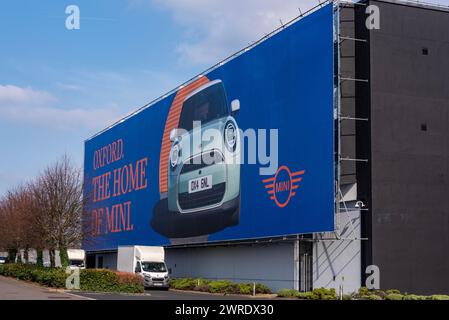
(59, 86)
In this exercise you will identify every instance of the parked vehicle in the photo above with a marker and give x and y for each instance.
(77, 258)
(2, 260)
(145, 261)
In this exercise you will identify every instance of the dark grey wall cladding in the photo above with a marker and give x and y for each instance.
(410, 148)
(347, 60)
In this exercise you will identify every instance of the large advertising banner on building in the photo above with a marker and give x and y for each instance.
(244, 151)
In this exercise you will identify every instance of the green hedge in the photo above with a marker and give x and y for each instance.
(362, 294)
(315, 294)
(50, 277)
(100, 280)
(217, 286)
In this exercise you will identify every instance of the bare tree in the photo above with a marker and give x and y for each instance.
(16, 222)
(58, 194)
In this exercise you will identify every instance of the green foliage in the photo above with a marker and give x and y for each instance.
(183, 283)
(324, 294)
(394, 296)
(393, 291)
(288, 293)
(347, 297)
(374, 297)
(363, 291)
(380, 293)
(90, 279)
(316, 294)
(414, 297)
(40, 258)
(109, 281)
(64, 256)
(12, 253)
(217, 286)
(262, 289)
(246, 288)
(224, 286)
(306, 296)
(439, 297)
(47, 277)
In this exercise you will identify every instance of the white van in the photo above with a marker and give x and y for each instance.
(145, 261)
(77, 258)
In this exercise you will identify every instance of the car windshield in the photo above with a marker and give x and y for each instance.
(77, 263)
(154, 267)
(207, 105)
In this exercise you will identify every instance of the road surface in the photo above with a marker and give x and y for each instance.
(11, 289)
(162, 295)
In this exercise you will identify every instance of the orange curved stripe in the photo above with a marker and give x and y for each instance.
(297, 173)
(172, 122)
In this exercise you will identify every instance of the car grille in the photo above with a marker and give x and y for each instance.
(157, 279)
(202, 198)
(196, 163)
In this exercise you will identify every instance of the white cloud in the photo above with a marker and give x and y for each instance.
(29, 106)
(16, 95)
(69, 87)
(213, 29)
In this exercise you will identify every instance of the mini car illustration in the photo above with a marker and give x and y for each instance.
(204, 174)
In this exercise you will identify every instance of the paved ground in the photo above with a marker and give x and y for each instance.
(11, 289)
(162, 295)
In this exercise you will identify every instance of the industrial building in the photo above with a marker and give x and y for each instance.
(391, 162)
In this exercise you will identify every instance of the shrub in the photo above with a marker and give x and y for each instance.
(263, 289)
(202, 288)
(246, 288)
(393, 291)
(439, 297)
(347, 297)
(380, 293)
(363, 291)
(223, 286)
(288, 293)
(47, 277)
(324, 294)
(90, 279)
(217, 286)
(414, 297)
(306, 296)
(183, 283)
(109, 281)
(374, 297)
(394, 296)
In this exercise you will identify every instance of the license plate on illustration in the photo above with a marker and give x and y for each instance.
(200, 184)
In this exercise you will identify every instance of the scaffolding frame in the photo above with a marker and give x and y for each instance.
(341, 207)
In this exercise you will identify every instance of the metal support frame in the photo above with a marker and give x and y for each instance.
(340, 205)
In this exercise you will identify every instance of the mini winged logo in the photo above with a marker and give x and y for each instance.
(282, 186)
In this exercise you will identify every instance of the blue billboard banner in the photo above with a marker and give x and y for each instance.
(245, 151)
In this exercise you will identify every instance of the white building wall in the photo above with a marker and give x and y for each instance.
(338, 263)
(270, 264)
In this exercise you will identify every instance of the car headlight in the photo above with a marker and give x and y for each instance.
(230, 135)
(174, 155)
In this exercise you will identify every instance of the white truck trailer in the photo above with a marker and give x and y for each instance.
(146, 261)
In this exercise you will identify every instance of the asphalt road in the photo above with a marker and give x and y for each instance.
(11, 289)
(162, 295)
